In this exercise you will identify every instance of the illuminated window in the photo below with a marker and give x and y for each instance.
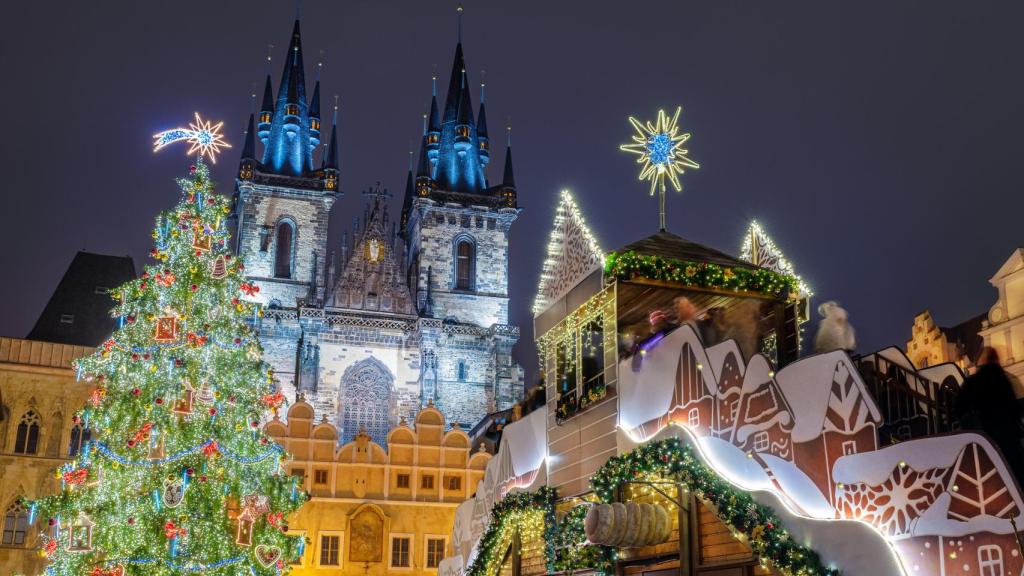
(761, 441)
(462, 131)
(400, 546)
(15, 525)
(435, 552)
(330, 546)
(693, 418)
(265, 117)
(320, 476)
(990, 560)
(284, 250)
(27, 440)
(462, 370)
(79, 436)
(314, 124)
(291, 109)
(465, 262)
(427, 482)
(402, 481)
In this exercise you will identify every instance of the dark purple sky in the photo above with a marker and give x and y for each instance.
(878, 142)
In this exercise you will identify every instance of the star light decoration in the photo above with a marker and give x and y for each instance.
(203, 135)
(660, 147)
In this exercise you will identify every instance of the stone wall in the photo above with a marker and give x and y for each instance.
(261, 209)
(438, 230)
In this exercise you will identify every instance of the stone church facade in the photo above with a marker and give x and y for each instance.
(411, 310)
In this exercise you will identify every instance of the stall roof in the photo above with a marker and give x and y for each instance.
(669, 245)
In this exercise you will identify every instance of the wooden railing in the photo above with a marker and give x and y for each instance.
(912, 406)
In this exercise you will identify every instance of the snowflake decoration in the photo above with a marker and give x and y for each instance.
(203, 135)
(660, 147)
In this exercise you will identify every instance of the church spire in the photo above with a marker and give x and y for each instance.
(481, 130)
(291, 139)
(266, 111)
(331, 162)
(459, 167)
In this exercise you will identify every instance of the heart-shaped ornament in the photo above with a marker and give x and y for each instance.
(267, 555)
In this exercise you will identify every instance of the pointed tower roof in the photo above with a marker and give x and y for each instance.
(423, 168)
(249, 150)
(434, 123)
(293, 79)
(451, 103)
(268, 97)
(481, 122)
(314, 104)
(410, 191)
(509, 179)
(331, 162)
(459, 166)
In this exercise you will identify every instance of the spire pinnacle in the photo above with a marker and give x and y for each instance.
(249, 149)
(433, 85)
(331, 161)
(459, 9)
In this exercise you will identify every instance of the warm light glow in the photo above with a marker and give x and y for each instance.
(203, 135)
(769, 256)
(659, 146)
(567, 210)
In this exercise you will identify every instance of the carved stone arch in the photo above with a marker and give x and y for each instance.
(284, 256)
(464, 245)
(367, 396)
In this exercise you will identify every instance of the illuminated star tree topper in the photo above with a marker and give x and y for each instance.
(203, 135)
(659, 146)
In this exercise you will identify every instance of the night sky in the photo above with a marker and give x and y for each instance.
(877, 142)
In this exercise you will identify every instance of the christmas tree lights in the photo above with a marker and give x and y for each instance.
(178, 477)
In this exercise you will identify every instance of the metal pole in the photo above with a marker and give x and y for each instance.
(661, 205)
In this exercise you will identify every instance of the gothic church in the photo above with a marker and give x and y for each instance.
(416, 310)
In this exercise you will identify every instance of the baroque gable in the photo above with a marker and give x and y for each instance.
(573, 254)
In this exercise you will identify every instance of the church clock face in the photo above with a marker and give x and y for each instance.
(374, 251)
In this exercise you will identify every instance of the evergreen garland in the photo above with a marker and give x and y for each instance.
(669, 458)
(629, 265)
(510, 513)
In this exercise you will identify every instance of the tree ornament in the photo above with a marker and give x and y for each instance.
(166, 329)
(174, 493)
(267, 556)
(80, 539)
(183, 405)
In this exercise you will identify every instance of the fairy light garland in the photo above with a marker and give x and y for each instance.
(769, 256)
(567, 213)
(532, 513)
(630, 265)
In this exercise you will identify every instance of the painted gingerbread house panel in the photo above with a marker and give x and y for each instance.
(730, 385)
(764, 419)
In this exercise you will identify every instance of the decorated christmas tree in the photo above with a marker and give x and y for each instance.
(178, 476)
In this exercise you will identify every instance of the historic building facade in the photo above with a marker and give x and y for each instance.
(931, 344)
(377, 509)
(1004, 327)
(411, 310)
(38, 395)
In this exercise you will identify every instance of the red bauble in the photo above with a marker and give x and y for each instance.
(146, 356)
(190, 471)
(178, 362)
(145, 275)
(263, 441)
(136, 391)
(131, 443)
(159, 401)
(135, 356)
(255, 424)
(142, 286)
(213, 411)
(192, 169)
(131, 319)
(194, 287)
(202, 478)
(238, 341)
(131, 521)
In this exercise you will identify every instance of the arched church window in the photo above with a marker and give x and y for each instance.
(284, 250)
(79, 436)
(465, 264)
(366, 389)
(15, 524)
(27, 439)
(462, 370)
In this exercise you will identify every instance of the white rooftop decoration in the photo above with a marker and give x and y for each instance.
(573, 254)
(759, 250)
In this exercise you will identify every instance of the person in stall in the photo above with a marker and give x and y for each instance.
(986, 402)
(834, 330)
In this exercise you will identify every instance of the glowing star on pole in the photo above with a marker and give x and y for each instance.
(203, 135)
(660, 147)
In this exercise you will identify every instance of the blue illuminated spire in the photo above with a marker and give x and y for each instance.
(481, 131)
(288, 149)
(459, 166)
(266, 111)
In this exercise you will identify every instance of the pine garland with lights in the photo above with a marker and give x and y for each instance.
(669, 458)
(571, 551)
(178, 476)
(531, 512)
(629, 265)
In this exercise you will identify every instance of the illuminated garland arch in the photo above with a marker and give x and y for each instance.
(508, 515)
(669, 458)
